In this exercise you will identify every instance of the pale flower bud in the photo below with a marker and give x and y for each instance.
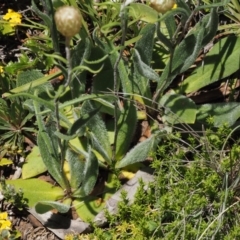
(162, 6)
(68, 20)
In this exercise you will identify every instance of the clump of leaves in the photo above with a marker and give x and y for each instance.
(13, 196)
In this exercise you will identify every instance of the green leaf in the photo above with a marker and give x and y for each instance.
(35, 83)
(78, 127)
(139, 153)
(45, 206)
(143, 68)
(126, 128)
(183, 57)
(171, 26)
(226, 51)
(211, 27)
(47, 20)
(90, 206)
(110, 49)
(50, 159)
(188, 50)
(36, 190)
(90, 174)
(5, 161)
(142, 12)
(83, 120)
(222, 113)
(76, 164)
(34, 164)
(142, 57)
(79, 145)
(99, 149)
(162, 37)
(144, 45)
(49, 149)
(28, 76)
(79, 54)
(178, 108)
(98, 132)
(184, 5)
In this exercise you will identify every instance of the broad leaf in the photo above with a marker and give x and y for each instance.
(50, 159)
(82, 121)
(142, 12)
(222, 113)
(36, 190)
(126, 129)
(178, 109)
(34, 164)
(35, 83)
(143, 68)
(90, 206)
(139, 153)
(90, 174)
(142, 56)
(226, 51)
(188, 50)
(45, 206)
(76, 164)
(98, 132)
(48, 147)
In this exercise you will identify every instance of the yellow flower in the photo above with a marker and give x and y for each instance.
(1, 69)
(14, 18)
(4, 222)
(162, 6)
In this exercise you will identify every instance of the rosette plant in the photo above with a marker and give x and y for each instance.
(83, 134)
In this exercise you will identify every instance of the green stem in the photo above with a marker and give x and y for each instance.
(69, 62)
(124, 17)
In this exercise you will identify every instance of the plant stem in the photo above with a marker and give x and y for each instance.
(68, 57)
(123, 16)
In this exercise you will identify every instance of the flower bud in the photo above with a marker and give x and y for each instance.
(162, 6)
(68, 20)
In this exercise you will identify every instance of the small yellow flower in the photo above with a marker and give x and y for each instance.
(1, 69)
(14, 18)
(4, 222)
(162, 6)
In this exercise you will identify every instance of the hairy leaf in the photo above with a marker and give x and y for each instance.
(126, 128)
(76, 164)
(222, 113)
(178, 109)
(98, 132)
(45, 206)
(90, 174)
(186, 53)
(139, 153)
(226, 51)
